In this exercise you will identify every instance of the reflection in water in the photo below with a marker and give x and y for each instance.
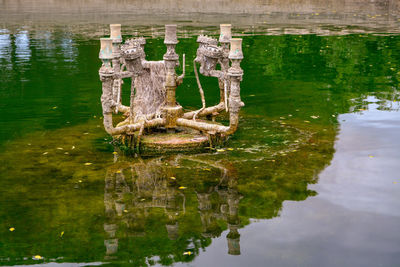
(22, 51)
(68, 48)
(5, 45)
(45, 44)
(133, 190)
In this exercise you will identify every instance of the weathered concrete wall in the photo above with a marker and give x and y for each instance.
(281, 16)
(201, 6)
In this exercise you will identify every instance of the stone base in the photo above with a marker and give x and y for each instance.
(173, 142)
(162, 141)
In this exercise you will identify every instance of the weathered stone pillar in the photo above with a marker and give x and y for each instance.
(115, 35)
(224, 38)
(172, 110)
(106, 73)
(235, 74)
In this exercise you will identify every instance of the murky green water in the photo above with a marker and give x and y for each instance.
(311, 178)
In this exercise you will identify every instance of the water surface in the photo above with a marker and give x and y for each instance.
(311, 178)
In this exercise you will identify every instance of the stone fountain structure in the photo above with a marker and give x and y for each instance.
(154, 120)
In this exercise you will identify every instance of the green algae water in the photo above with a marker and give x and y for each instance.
(311, 178)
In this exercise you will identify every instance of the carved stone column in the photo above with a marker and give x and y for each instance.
(172, 110)
(115, 30)
(106, 73)
(224, 38)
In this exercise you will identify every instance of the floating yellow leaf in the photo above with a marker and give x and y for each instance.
(62, 233)
(80, 181)
(172, 177)
(88, 163)
(37, 257)
(182, 187)
(220, 150)
(125, 211)
(371, 156)
(118, 171)
(54, 107)
(45, 153)
(187, 253)
(73, 147)
(230, 149)
(60, 148)
(66, 153)
(307, 121)
(12, 229)
(207, 169)
(361, 109)
(115, 153)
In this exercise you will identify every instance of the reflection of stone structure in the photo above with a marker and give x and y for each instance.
(227, 208)
(233, 236)
(129, 204)
(172, 231)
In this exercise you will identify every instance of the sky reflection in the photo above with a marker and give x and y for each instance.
(5, 45)
(357, 202)
(22, 42)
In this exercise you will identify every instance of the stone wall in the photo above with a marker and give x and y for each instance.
(196, 6)
(250, 15)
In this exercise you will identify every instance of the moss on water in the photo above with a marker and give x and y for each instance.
(52, 188)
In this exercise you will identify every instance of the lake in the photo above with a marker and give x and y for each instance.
(311, 177)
